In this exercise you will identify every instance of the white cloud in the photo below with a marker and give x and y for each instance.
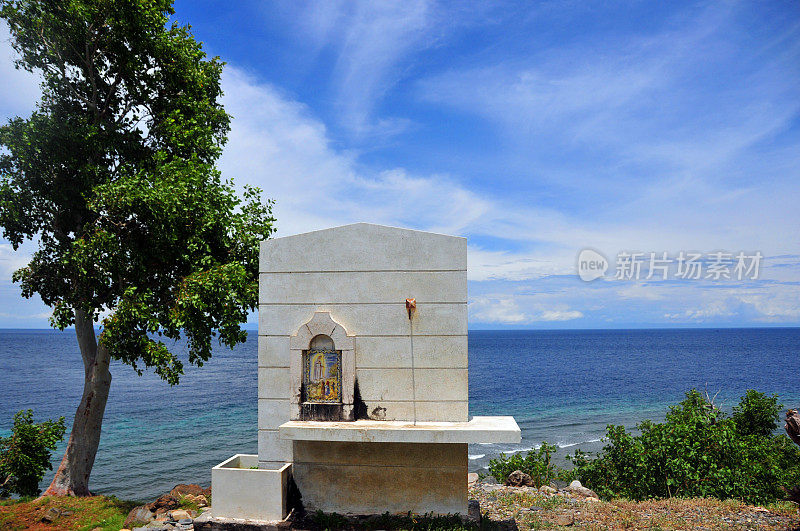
(557, 315)
(505, 265)
(781, 303)
(277, 144)
(42, 316)
(639, 290)
(11, 260)
(773, 302)
(712, 310)
(498, 311)
(508, 310)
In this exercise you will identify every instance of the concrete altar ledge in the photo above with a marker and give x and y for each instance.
(477, 430)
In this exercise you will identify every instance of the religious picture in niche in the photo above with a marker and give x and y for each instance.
(322, 376)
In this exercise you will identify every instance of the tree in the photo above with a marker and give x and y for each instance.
(25, 455)
(114, 175)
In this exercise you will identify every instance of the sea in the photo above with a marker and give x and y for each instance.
(562, 386)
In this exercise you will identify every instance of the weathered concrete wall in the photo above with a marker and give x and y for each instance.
(362, 275)
(367, 478)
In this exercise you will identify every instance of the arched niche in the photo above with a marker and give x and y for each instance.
(322, 372)
(322, 367)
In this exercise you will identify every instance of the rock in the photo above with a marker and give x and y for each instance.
(51, 514)
(576, 488)
(518, 478)
(592, 499)
(547, 489)
(535, 508)
(183, 489)
(586, 493)
(472, 478)
(139, 515)
(164, 503)
(179, 515)
(509, 524)
(489, 480)
(565, 519)
(474, 511)
(201, 501)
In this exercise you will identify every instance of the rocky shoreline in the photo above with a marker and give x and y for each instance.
(175, 510)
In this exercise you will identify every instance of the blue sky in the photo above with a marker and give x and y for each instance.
(534, 129)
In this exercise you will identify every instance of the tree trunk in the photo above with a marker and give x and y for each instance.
(792, 425)
(792, 428)
(72, 476)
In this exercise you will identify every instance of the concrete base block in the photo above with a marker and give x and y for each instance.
(208, 522)
(373, 478)
(243, 491)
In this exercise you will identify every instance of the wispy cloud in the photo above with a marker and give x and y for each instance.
(658, 130)
(369, 42)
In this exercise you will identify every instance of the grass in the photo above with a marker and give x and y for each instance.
(105, 512)
(189, 505)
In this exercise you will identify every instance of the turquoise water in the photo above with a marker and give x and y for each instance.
(562, 386)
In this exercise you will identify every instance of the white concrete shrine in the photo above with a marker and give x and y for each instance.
(361, 400)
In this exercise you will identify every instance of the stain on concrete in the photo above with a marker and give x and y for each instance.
(360, 411)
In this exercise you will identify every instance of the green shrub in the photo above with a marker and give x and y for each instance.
(25, 455)
(697, 451)
(757, 414)
(536, 464)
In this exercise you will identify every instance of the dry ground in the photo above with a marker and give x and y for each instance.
(533, 510)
